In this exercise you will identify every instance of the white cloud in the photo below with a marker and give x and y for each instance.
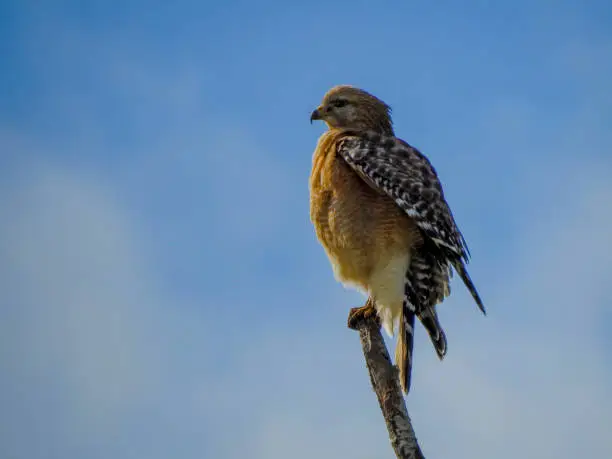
(77, 288)
(80, 314)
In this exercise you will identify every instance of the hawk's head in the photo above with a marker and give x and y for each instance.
(353, 108)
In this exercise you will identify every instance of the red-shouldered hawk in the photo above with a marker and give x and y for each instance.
(379, 211)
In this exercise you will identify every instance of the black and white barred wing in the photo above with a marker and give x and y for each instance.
(406, 175)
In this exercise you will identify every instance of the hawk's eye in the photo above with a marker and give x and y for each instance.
(340, 103)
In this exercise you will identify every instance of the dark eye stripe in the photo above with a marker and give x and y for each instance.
(340, 103)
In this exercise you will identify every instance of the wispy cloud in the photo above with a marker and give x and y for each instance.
(95, 335)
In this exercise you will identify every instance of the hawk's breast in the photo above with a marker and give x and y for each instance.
(363, 232)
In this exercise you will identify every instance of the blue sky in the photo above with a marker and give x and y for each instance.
(163, 294)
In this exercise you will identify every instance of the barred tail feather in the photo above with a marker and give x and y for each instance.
(405, 344)
(429, 319)
(460, 268)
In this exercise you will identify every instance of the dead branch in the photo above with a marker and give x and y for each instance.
(385, 382)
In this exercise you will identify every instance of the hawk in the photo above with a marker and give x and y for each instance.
(379, 211)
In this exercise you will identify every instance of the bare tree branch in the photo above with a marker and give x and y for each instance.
(385, 382)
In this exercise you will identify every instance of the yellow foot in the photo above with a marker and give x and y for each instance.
(356, 315)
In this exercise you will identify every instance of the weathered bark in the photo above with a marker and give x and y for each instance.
(385, 382)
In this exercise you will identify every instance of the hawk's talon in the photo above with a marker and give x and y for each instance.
(356, 315)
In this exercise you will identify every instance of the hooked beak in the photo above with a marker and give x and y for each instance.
(315, 115)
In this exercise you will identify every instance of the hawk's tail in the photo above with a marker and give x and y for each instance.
(429, 319)
(405, 341)
(426, 284)
(405, 344)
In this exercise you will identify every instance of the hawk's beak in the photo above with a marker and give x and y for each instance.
(315, 116)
